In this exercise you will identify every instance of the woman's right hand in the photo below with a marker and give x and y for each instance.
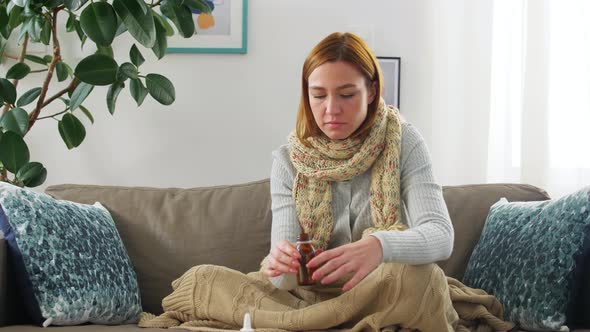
(283, 258)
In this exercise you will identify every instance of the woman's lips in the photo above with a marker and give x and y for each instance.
(334, 125)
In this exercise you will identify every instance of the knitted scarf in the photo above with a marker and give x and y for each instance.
(330, 160)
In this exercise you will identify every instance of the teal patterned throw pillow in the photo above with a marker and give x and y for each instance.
(70, 262)
(530, 256)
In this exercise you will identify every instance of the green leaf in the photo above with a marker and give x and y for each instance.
(70, 26)
(32, 174)
(200, 5)
(65, 101)
(164, 22)
(140, 25)
(143, 6)
(160, 88)
(28, 10)
(36, 59)
(112, 95)
(18, 71)
(14, 152)
(71, 130)
(81, 35)
(121, 28)
(62, 71)
(52, 3)
(20, 3)
(136, 56)
(181, 16)
(99, 23)
(35, 27)
(161, 44)
(16, 120)
(15, 18)
(138, 91)
(72, 4)
(5, 29)
(7, 91)
(97, 69)
(69, 69)
(87, 113)
(47, 58)
(24, 29)
(28, 97)
(79, 95)
(128, 70)
(105, 50)
(46, 32)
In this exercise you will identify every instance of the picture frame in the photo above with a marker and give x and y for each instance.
(225, 32)
(391, 70)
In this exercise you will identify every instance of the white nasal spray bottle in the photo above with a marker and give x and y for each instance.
(247, 324)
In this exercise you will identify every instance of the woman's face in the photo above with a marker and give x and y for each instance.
(339, 98)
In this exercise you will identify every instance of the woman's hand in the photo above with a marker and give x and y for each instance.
(359, 258)
(283, 258)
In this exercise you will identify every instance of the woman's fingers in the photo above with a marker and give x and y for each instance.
(331, 263)
(280, 266)
(340, 272)
(284, 257)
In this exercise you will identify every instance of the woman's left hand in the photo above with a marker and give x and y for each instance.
(360, 258)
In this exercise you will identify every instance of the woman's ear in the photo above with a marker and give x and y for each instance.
(372, 92)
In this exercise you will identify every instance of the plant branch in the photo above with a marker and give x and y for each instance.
(21, 58)
(53, 115)
(56, 58)
(70, 87)
(38, 70)
(155, 4)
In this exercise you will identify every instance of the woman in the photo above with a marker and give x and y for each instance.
(379, 179)
(359, 181)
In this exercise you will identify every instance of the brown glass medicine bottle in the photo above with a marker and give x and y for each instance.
(307, 252)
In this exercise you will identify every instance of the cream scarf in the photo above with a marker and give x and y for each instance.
(330, 160)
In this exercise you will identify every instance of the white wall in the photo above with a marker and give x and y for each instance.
(231, 111)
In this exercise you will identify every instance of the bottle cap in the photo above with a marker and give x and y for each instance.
(247, 324)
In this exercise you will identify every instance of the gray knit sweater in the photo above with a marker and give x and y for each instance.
(430, 234)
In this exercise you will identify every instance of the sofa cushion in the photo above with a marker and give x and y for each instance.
(168, 231)
(530, 256)
(70, 263)
(468, 207)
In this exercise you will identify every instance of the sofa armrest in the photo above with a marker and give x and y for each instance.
(3, 281)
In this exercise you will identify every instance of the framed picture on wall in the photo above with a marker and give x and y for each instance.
(391, 67)
(225, 30)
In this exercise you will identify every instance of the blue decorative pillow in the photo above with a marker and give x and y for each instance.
(530, 256)
(70, 261)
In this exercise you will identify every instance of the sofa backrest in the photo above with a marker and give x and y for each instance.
(167, 231)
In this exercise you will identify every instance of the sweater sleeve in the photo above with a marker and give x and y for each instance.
(429, 237)
(284, 216)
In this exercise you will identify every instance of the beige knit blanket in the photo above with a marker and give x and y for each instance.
(394, 297)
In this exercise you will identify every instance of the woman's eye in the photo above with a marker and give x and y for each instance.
(319, 97)
(347, 96)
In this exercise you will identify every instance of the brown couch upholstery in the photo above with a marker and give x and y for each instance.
(167, 231)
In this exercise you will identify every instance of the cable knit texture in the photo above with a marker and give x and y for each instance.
(326, 160)
(394, 297)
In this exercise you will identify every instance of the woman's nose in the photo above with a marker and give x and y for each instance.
(332, 105)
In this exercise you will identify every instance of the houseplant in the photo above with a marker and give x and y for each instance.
(99, 22)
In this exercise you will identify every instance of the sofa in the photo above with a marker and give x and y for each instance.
(167, 231)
